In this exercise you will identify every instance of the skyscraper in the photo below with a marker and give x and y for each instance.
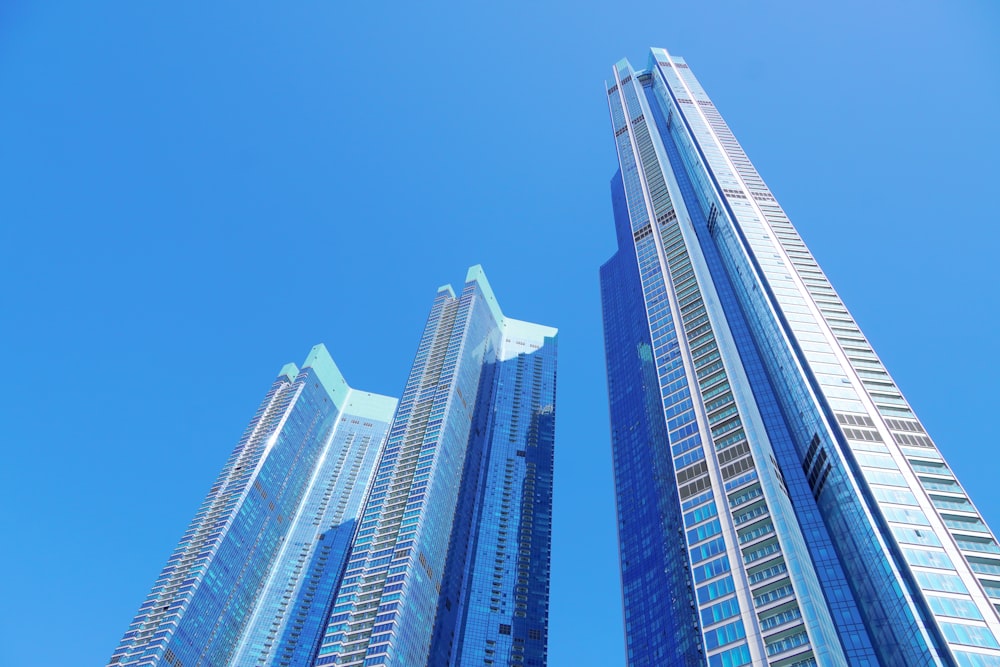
(251, 581)
(451, 562)
(779, 503)
(337, 534)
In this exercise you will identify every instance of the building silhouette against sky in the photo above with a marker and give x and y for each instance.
(779, 503)
(252, 579)
(451, 562)
(339, 534)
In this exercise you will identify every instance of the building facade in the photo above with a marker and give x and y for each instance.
(779, 502)
(252, 580)
(338, 534)
(451, 562)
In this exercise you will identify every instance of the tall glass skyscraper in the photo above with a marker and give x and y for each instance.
(251, 581)
(779, 503)
(336, 534)
(451, 563)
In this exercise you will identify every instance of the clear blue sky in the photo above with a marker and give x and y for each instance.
(194, 193)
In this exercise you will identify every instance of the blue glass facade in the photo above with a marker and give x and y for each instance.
(495, 597)
(250, 582)
(659, 603)
(348, 528)
(344, 531)
(450, 563)
(778, 501)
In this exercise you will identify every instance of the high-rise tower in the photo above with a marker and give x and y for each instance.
(451, 562)
(337, 534)
(779, 503)
(252, 579)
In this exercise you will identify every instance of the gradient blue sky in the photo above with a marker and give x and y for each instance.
(194, 193)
